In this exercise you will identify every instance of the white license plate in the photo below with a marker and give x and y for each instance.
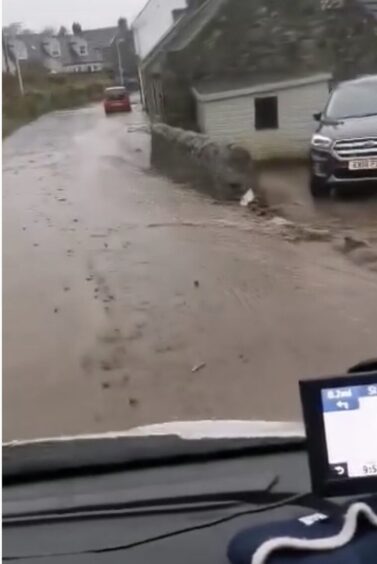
(363, 164)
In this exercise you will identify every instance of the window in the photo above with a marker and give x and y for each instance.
(266, 113)
(82, 50)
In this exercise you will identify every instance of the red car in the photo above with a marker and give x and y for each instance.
(116, 99)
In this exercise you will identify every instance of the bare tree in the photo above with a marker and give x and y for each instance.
(62, 31)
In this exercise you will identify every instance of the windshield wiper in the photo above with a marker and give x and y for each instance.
(201, 497)
(299, 499)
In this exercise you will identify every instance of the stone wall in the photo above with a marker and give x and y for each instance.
(224, 171)
(261, 37)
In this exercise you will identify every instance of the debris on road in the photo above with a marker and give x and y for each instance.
(281, 222)
(56, 310)
(351, 243)
(247, 198)
(296, 232)
(198, 367)
(196, 283)
(359, 251)
(315, 234)
(134, 402)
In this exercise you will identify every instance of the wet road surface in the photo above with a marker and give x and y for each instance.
(288, 191)
(117, 283)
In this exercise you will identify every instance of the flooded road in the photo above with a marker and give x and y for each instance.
(129, 300)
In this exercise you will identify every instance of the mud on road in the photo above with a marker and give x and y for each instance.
(350, 219)
(118, 283)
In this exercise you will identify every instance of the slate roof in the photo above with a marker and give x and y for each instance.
(185, 29)
(192, 22)
(101, 37)
(97, 41)
(231, 84)
(33, 44)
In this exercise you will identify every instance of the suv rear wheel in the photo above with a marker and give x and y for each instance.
(318, 188)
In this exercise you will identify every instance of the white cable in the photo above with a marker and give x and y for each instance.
(339, 540)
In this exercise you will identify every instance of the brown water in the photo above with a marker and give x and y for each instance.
(118, 283)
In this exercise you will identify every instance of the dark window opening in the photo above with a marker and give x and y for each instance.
(266, 113)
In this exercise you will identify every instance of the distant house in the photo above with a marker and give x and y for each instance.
(90, 50)
(85, 52)
(273, 116)
(222, 40)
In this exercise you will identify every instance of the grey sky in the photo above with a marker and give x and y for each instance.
(36, 14)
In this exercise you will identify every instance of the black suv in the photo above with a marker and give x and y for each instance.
(344, 147)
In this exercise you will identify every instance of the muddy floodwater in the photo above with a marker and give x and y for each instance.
(129, 300)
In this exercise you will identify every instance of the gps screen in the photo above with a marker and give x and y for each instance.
(350, 423)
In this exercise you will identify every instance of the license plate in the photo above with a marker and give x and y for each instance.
(363, 164)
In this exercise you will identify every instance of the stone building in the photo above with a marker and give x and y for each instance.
(226, 40)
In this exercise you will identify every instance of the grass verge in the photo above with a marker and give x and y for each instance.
(46, 93)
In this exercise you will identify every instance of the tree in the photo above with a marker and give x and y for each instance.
(76, 28)
(62, 31)
(14, 28)
(48, 30)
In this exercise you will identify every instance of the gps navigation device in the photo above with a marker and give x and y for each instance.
(340, 415)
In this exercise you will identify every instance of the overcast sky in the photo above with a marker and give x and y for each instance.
(37, 14)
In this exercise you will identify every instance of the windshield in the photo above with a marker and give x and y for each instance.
(353, 101)
(183, 241)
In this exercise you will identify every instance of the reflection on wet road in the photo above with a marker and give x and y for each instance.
(118, 283)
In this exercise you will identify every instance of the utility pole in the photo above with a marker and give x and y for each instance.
(16, 62)
(120, 64)
(6, 54)
(19, 75)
